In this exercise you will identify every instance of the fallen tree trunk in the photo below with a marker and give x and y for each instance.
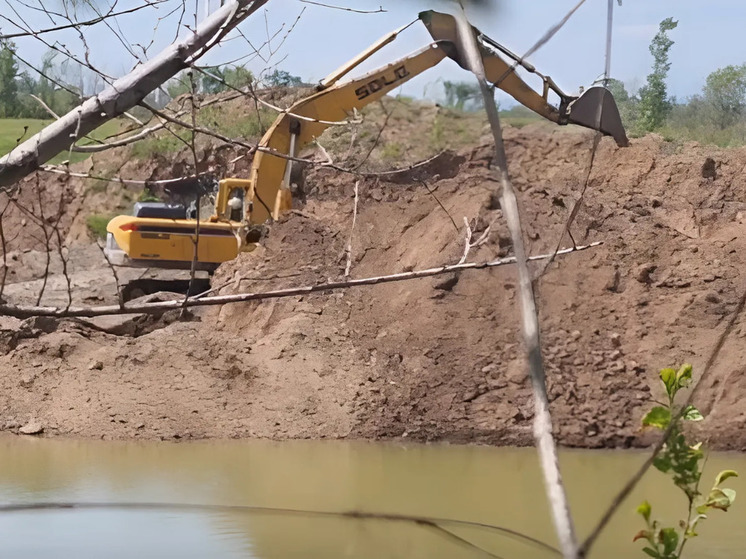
(123, 94)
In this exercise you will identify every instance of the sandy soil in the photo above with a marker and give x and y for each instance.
(434, 359)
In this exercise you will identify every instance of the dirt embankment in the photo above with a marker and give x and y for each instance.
(435, 359)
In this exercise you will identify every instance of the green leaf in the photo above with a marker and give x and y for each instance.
(684, 375)
(731, 494)
(644, 509)
(670, 540)
(658, 417)
(725, 474)
(662, 462)
(668, 376)
(720, 499)
(651, 552)
(692, 414)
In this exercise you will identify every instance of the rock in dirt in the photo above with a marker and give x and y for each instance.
(33, 427)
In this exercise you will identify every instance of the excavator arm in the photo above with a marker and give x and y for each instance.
(268, 186)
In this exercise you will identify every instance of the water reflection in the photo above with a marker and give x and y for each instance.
(496, 486)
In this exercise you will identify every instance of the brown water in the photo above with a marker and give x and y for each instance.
(495, 486)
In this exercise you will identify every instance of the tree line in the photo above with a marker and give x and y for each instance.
(715, 115)
(61, 86)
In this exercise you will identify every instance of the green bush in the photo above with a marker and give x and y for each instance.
(147, 195)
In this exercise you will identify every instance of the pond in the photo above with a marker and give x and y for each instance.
(233, 490)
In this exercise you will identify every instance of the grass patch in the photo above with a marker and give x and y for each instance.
(16, 130)
(519, 116)
(97, 223)
(163, 142)
(391, 151)
(246, 125)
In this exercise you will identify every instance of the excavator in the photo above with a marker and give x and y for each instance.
(161, 235)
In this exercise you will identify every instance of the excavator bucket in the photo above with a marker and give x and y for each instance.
(596, 105)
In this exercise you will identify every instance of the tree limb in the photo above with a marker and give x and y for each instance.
(19, 311)
(545, 443)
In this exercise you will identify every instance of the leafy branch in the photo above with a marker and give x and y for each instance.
(683, 461)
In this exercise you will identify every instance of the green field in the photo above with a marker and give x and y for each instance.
(13, 130)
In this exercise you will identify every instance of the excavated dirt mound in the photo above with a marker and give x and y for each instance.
(439, 358)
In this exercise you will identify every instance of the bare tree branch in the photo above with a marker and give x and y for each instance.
(20, 311)
(57, 170)
(545, 443)
(348, 249)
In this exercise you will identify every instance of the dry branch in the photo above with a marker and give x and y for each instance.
(62, 170)
(19, 311)
(438, 523)
(123, 94)
(545, 443)
(348, 249)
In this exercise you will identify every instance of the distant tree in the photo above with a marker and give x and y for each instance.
(220, 78)
(8, 83)
(629, 105)
(210, 84)
(238, 77)
(654, 102)
(618, 90)
(178, 85)
(281, 78)
(725, 92)
(226, 78)
(463, 95)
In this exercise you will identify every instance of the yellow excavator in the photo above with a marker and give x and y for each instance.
(164, 236)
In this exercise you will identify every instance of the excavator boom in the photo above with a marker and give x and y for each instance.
(307, 119)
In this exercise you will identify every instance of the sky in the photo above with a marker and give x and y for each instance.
(709, 36)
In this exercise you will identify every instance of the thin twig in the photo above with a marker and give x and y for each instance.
(353, 514)
(78, 24)
(193, 149)
(431, 192)
(378, 11)
(348, 249)
(112, 268)
(467, 240)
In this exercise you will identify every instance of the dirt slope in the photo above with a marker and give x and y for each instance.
(435, 359)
